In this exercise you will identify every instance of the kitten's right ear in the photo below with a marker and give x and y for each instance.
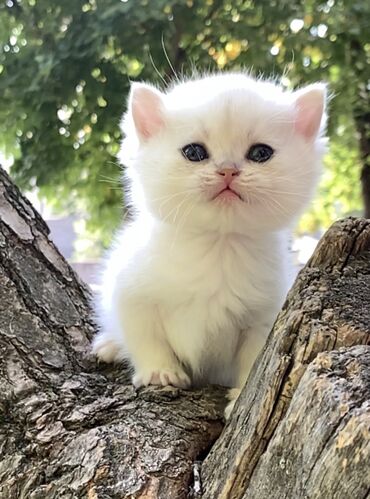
(147, 109)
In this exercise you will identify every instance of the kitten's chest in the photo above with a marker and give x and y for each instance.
(225, 261)
(225, 272)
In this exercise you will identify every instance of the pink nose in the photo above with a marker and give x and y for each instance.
(228, 173)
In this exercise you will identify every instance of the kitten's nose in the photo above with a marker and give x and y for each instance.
(228, 172)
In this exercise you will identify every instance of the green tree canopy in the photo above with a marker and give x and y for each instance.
(65, 70)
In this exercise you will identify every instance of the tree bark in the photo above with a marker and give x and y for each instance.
(327, 308)
(321, 448)
(70, 428)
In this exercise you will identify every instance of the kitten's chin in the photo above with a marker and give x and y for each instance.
(227, 196)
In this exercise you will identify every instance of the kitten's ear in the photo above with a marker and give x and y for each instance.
(310, 107)
(146, 108)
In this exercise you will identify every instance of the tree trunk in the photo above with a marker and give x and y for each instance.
(361, 112)
(275, 440)
(365, 183)
(362, 120)
(72, 429)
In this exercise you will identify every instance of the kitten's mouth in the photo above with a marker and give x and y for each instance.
(228, 194)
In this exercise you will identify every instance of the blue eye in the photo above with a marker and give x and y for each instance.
(259, 153)
(195, 152)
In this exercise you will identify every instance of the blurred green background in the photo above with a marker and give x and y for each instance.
(66, 66)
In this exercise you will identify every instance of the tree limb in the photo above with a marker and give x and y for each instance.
(327, 308)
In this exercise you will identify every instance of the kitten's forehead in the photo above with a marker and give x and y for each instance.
(229, 108)
(232, 85)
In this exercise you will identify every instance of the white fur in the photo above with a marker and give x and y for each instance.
(192, 286)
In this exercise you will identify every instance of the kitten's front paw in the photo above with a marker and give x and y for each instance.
(161, 377)
(105, 349)
(232, 395)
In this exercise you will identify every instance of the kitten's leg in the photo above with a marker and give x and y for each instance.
(107, 344)
(255, 339)
(148, 350)
(106, 348)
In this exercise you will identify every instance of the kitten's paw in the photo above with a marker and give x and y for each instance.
(232, 395)
(161, 377)
(105, 349)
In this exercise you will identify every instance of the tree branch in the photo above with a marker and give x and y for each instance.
(327, 308)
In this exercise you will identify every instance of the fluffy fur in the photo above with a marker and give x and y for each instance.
(191, 287)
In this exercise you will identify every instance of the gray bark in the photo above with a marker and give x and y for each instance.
(327, 308)
(70, 428)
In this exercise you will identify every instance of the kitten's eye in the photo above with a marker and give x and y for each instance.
(259, 153)
(195, 152)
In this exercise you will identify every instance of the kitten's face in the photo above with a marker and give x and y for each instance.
(225, 153)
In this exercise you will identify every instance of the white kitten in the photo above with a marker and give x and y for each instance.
(220, 167)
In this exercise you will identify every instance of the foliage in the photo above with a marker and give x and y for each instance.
(65, 69)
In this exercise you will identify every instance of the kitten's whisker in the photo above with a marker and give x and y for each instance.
(296, 174)
(112, 186)
(113, 183)
(168, 198)
(177, 208)
(276, 205)
(103, 178)
(285, 193)
(177, 212)
(182, 222)
(170, 178)
(156, 69)
(168, 59)
(115, 163)
(271, 208)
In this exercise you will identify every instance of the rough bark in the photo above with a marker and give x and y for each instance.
(70, 428)
(321, 449)
(327, 308)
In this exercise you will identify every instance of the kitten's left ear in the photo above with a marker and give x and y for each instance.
(309, 103)
(147, 109)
